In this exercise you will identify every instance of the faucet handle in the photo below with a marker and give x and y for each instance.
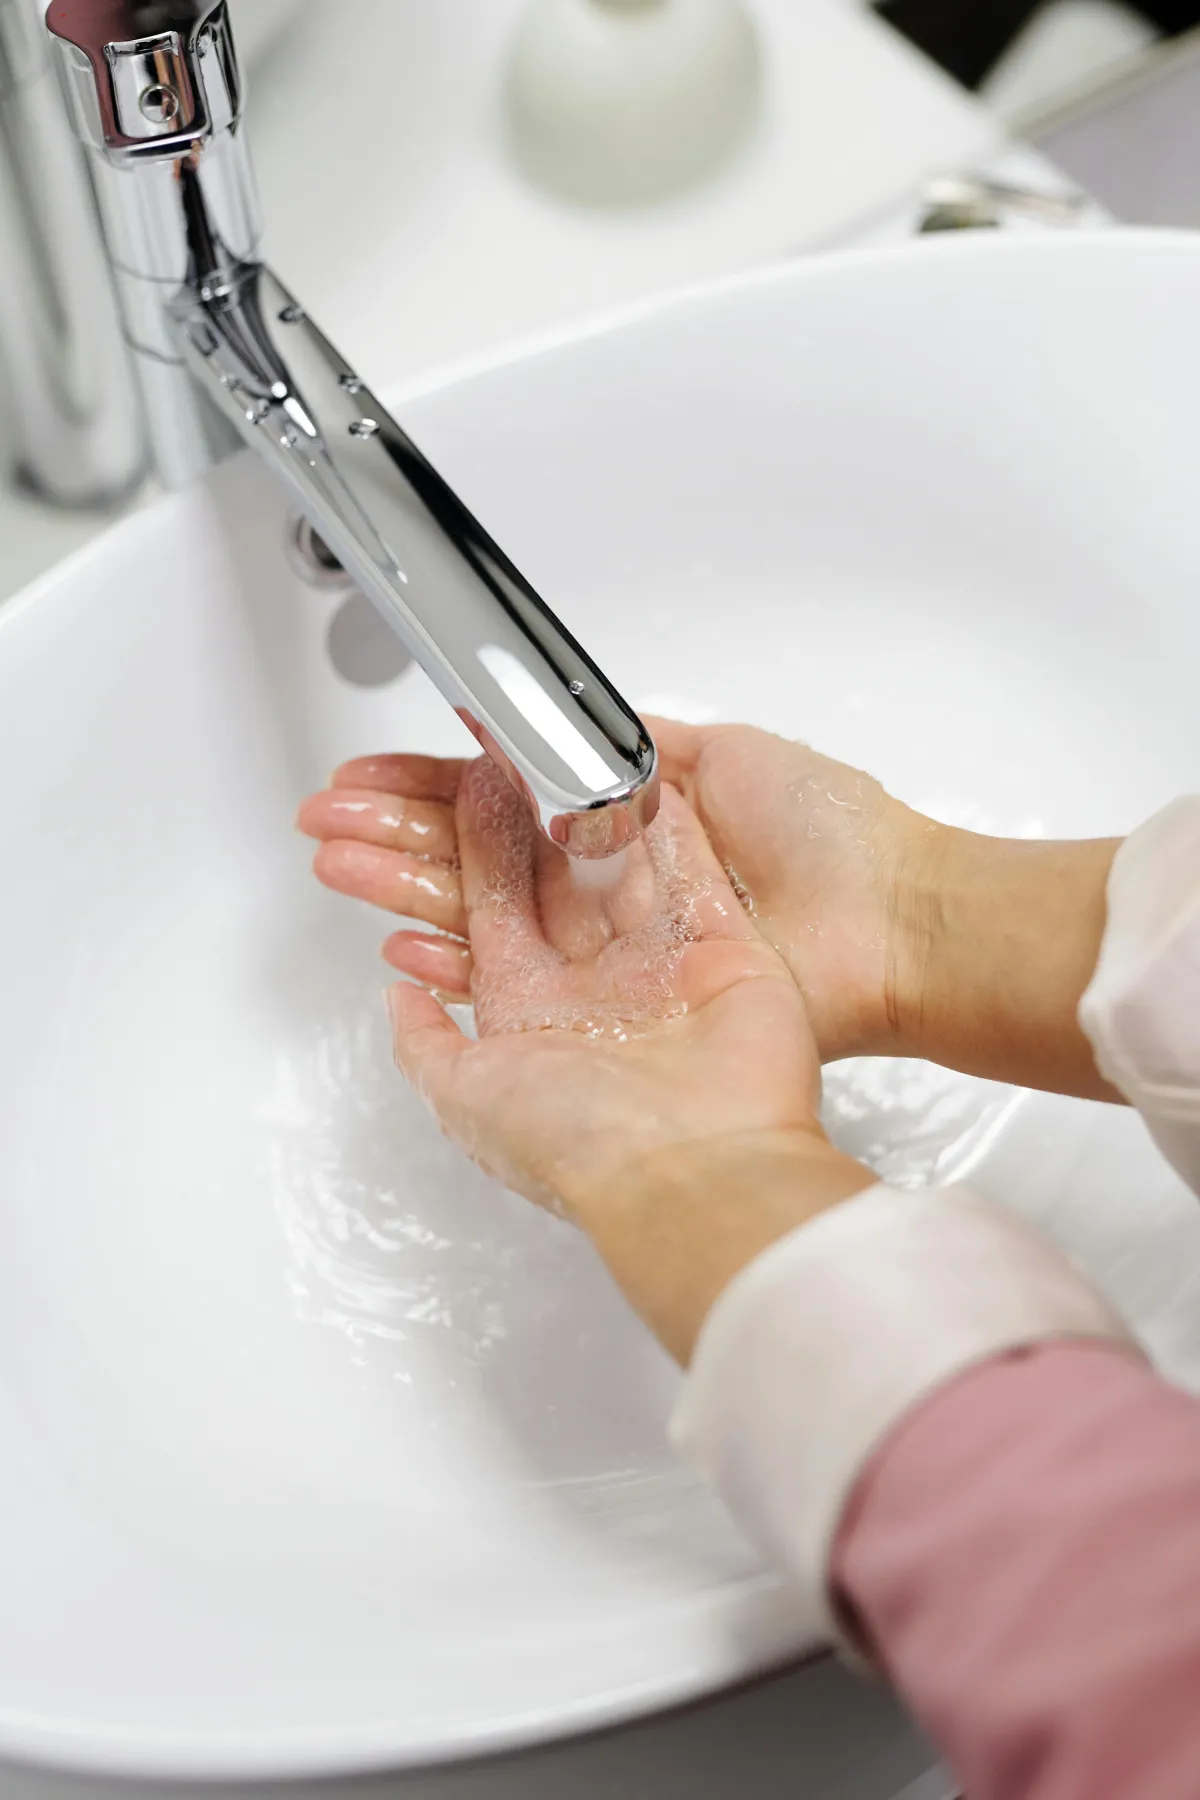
(149, 78)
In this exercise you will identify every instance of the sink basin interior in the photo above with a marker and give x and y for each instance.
(321, 1450)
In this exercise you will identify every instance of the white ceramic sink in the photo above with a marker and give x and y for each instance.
(259, 22)
(320, 1452)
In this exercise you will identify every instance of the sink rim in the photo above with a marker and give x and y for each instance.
(322, 1754)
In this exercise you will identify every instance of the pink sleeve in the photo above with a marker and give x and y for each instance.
(1022, 1556)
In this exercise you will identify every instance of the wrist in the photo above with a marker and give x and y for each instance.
(924, 923)
(995, 941)
(676, 1226)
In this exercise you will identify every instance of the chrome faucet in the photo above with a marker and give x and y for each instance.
(69, 409)
(223, 351)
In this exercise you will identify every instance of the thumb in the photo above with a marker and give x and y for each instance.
(426, 1041)
(678, 747)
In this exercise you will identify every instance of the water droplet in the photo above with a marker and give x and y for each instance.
(291, 314)
(364, 428)
(259, 411)
(741, 891)
(576, 688)
(351, 383)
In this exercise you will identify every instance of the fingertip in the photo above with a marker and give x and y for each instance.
(403, 773)
(397, 881)
(303, 821)
(426, 1043)
(442, 963)
(378, 772)
(327, 864)
(398, 998)
(413, 1011)
(411, 1008)
(321, 861)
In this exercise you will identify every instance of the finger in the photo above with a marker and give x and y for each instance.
(725, 946)
(423, 827)
(415, 777)
(436, 962)
(397, 882)
(690, 874)
(496, 848)
(426, 1042)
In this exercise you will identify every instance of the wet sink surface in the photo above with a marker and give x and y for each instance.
(323, 1452)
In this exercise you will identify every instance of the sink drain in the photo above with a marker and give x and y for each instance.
(362, 647)
(312, 559)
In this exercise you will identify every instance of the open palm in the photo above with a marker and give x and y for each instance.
(613, 1022)
(821, 856)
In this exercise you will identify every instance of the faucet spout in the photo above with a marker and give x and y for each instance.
(227, 352)
(527, 690)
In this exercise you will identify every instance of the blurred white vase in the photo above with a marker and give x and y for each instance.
(616, 102)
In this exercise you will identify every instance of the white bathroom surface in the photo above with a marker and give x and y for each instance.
(1066, 48)
(396, 209)
(321, 1451)
(393, 206)
(1014, 165)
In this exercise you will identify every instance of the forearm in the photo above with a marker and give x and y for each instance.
(676, 1228)
(996, 941)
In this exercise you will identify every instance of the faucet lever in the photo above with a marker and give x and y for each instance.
(149, 77)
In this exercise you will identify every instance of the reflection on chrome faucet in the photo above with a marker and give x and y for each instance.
(223, 351)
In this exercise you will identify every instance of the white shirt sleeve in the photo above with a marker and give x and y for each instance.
(1142, 1009)
(822, 1344)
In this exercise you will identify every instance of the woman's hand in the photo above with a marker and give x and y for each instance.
(819, 854)
(644, 1060)
(905, 937)
(829, 866)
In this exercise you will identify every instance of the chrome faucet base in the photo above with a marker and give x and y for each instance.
(70, 407)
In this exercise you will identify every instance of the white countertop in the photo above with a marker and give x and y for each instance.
(820, 1734)
(442, 250)
(393, 211)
